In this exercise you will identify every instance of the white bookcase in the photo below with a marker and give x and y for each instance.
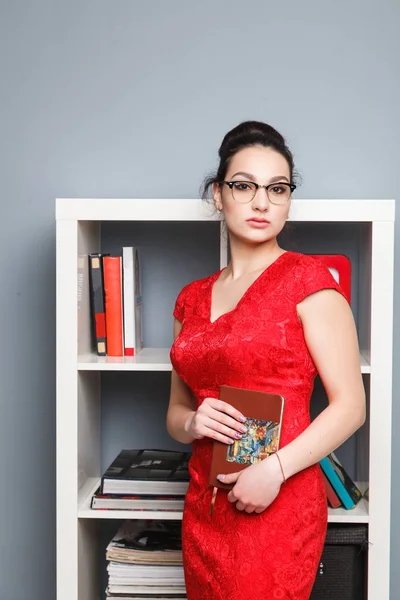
(78, 374)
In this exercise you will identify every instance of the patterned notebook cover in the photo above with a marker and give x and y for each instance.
(263, 411)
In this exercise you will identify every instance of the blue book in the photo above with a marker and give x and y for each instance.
(345, 488)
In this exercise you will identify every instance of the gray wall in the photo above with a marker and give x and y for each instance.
(128, 98)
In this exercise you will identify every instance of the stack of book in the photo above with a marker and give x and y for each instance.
(145, 561)
(116, 303)
(144, 480)
(341, 490)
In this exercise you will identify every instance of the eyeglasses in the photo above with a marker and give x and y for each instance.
(244, 191)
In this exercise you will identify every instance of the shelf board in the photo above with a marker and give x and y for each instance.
(364, 364)
(193, 209)
(149, 359)
(359, 514)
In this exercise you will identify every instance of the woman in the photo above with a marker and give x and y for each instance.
(271, 320)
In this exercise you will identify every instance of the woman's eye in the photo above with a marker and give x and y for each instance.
(278, 189)
(241, 186)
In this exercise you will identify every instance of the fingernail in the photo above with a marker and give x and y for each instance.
(238, 435)
(231, 441)
(243, 429)
(221, 477)
(243, 419)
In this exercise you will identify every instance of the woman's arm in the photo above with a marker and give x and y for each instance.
(182, 404)
(331, 337)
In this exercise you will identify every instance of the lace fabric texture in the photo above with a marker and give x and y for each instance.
(258, 345)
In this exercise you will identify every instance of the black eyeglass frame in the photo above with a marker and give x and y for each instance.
(230, 184)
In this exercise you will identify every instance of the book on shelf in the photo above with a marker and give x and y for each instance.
(112, 266)
(147, 541)
(340, 480)
(132, 301)
(136, 502)
(145, 559)
(146, 591)
(97, 302)
(332, 497)
(147, 471)
(116, 302)
(263, 412)
(147, 595)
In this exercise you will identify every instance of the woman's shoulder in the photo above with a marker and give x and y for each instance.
(190, 294)
(307, 261)
(197, 284)
(310, 274)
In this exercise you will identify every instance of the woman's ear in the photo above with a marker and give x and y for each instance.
(217, 196)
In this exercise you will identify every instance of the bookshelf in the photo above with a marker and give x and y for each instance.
(368, 225)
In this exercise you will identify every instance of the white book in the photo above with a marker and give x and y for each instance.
(132, 301)
(146, 597)
(151, 596)
(145, 589)
(116, 569)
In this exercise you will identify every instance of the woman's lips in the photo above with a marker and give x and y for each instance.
(258, 224)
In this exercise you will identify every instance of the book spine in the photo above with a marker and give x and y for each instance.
(138, 304)
(129, 301)
(348, 483)
(97, 303)
(336, 483)
(113, 295)
(331, 495)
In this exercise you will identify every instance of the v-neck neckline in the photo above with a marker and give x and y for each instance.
(244, 295)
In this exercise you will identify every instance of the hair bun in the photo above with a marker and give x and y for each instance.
(249, 133)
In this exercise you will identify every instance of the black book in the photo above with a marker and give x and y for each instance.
(97, 302)
(147, 472)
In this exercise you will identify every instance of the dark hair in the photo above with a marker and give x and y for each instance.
(248, 133)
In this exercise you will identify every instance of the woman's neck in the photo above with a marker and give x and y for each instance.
(248, 259)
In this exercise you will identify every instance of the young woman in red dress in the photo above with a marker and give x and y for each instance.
(271, 321)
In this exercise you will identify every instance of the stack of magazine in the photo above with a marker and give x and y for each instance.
(145, 561)
(141, 479)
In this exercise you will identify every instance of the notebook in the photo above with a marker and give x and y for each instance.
(263, 412)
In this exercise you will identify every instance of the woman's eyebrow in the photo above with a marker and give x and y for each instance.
(252, 178)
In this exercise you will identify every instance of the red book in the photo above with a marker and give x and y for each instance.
(331, 495)
(340, 267)
(112, 267)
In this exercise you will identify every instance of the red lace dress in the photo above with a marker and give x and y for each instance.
(258, 345)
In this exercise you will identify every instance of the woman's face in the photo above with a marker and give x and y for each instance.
(261, 165)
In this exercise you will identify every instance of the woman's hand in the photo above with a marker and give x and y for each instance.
(217, 420)
(256, 486)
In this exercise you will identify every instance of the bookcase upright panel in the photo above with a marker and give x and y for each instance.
(380, 408)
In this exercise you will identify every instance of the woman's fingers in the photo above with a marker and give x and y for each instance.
(224, 407)
(216, 435)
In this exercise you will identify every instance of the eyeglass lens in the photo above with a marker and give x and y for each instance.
(244, 191)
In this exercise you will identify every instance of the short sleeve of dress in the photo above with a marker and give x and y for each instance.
(313, 276)
(179, 309)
